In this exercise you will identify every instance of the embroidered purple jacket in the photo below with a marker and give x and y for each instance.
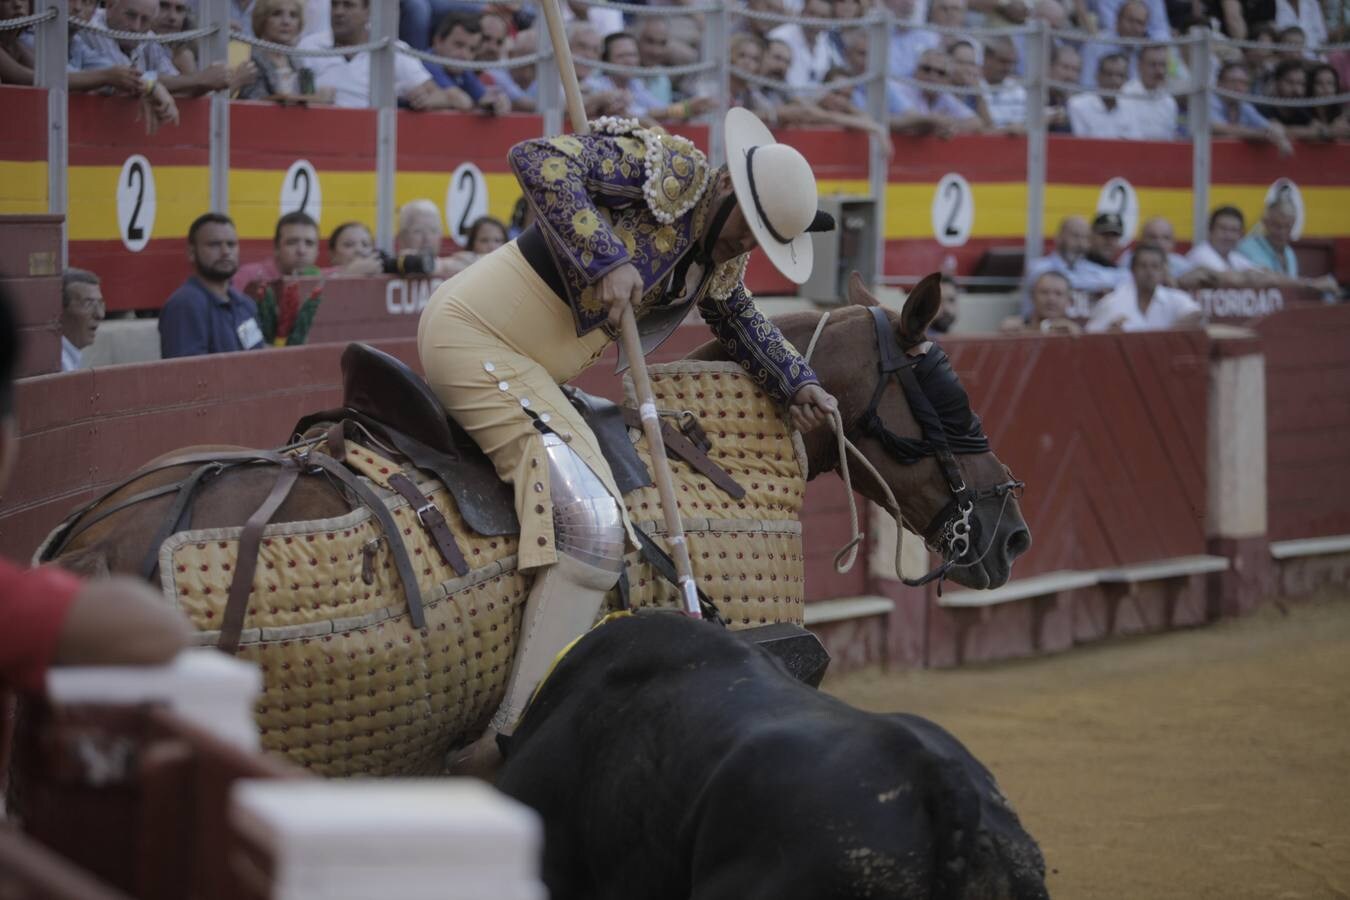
(629, 195)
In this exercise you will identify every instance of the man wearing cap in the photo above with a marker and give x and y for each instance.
(625, 216)
(1072, 243)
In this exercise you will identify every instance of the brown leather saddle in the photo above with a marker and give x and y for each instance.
(396, 406)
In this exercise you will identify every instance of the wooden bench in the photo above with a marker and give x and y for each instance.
(1117, 584)
(841, 609)
(1320, 546)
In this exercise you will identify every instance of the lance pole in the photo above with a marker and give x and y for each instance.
(632, 344)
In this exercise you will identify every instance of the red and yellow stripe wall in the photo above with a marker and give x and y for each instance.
(955, 198)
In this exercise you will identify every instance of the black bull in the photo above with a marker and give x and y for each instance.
(670, 759)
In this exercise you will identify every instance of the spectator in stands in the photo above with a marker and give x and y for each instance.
(82, 310)
(1329, 118)
(584, 39)
(1291, 43)
(280, 76)
(653, 40)
(419, 228)
(1131, 21)
(621, 49)
(1238, 118)
(1305, 15)
(774, 66)
(1003, 99)
(1104, 240)
(942, 323)
(485, 235)
(206, 314)
(95, 51)
(1066, 65)
(417, 19)
(908, 45)
(1098, 115)
(1147, 101)
(1219, 253)
(295, 251)
(966, 71)
(458, 37)
(175, 16)
(1181, 272)
(1291, 83)
(1153, 22)
(351, 249)
(1143, 302)
(605, 21)
(855, 53)
(1261, 59)
(1071, 246)
(1268, 248)
(747, 54)
(16, 64)
(518, 82)
(813, 51)
(1050, 296)
(836, 107)
(493, 32)
(349, 76)
(933, 111)
(51, 617)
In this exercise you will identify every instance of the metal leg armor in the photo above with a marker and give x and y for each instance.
(565, 597)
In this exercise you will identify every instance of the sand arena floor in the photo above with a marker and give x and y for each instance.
(1211, 763)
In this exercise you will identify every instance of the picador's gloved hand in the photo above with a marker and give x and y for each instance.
(811, 407)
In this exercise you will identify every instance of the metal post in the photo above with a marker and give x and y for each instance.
(879, 63)
(1201, 84)
(384, 25)
(717, 47)
(51, 74)
(1038, 66)
(550, 105)
(216, 49)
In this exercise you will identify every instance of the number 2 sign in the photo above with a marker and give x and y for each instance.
(953, 211)
(300, 191)
(466, 200)
(136, 203)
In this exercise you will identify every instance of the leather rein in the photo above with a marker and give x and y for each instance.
(952, 532)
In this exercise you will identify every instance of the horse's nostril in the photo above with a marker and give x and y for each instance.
(1018, 543)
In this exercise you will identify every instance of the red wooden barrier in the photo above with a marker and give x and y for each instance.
(83, 431)
(1307, 421)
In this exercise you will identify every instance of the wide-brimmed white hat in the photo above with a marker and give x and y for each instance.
(776, 191)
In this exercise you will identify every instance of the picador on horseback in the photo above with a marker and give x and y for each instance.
(625, 215)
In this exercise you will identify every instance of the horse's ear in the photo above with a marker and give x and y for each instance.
(921, 307)
(858, 294)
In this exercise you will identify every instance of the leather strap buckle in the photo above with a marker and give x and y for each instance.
(424, 514)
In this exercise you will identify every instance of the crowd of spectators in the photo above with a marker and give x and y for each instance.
(1147, 287)
(946, 73)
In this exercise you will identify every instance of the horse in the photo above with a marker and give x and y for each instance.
(965, 505)
(671, 761)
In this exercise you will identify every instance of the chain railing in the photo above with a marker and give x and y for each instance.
(1199, 45)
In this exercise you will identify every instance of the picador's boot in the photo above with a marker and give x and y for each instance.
(565, 598)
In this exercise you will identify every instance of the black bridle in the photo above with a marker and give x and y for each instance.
(952, 532)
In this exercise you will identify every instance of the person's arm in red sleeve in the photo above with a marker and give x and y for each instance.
(53, 618)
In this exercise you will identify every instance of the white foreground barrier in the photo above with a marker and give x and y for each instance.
(415, 839)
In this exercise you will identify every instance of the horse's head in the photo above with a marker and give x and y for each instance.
(905, 409)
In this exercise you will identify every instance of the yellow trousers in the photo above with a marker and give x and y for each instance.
(495, 341)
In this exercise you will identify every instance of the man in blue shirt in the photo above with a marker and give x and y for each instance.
(206, 315)
(1238, 118)
(457, 38)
